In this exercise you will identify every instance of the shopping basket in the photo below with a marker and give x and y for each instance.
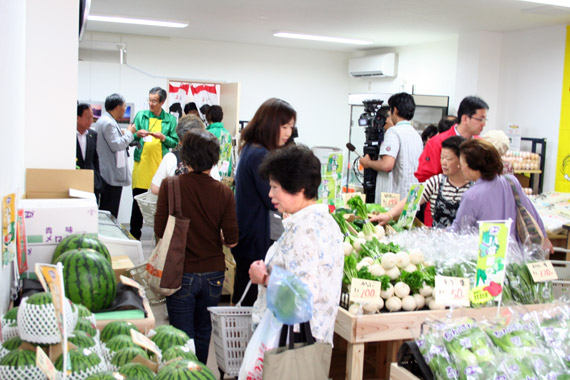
(137, 273)
(147, 205)
(231, 329)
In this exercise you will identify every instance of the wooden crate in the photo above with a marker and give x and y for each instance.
(393, 328)
(399, 373)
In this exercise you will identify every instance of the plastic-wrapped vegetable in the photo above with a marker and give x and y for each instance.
(435, 354)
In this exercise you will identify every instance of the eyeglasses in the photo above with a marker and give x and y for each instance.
(152, 101)
(482, 119)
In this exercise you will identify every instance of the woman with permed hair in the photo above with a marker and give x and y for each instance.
(491, 197)
(269, 129)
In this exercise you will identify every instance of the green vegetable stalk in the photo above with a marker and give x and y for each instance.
(360, 210)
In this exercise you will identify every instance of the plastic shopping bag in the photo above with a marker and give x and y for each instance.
(265, 337)
(289, 298)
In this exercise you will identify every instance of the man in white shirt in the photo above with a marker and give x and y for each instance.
(86, 148)
(399, 152)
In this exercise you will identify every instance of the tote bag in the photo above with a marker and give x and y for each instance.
(166, 263)
(527, 227)
(308, 360)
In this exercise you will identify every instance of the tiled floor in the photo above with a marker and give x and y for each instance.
(160, 314)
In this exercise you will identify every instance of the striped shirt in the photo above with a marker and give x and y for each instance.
(403, 143)
(448, 192)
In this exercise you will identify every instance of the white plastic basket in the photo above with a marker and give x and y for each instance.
(147, 204)
(561, 287)
(231, 329)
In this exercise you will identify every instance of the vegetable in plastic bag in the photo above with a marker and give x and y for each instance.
(289, 298)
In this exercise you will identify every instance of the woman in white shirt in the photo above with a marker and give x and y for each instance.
(171, 163)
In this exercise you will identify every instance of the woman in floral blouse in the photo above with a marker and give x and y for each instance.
(311, 245)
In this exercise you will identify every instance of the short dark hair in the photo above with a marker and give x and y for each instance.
(204, 109)
(428, 133)
(469, 106)
(453, 143)
(200, 150)
(405, 104)
(160, 91)
(190, 107)
(295, 168)
(81, 107)
(446, 123)
(113, 101)
(265, 126)
(481, 155)
(176, 107)
(215, 114)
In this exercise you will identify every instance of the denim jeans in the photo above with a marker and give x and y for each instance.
(188, 307)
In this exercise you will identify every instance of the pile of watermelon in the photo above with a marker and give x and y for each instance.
(87, 272)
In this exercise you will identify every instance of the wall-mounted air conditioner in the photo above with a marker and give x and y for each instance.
(374, 66)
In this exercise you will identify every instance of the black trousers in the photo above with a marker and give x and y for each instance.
(136, 215)
(111, 199)
(240, 282)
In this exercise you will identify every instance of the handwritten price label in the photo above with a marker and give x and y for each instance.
(367, 291)
(145, 342)
(451, 291)
(389, 200)
(542, 271)
(45, 365)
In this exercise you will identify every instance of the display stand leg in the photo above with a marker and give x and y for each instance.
(354, 361)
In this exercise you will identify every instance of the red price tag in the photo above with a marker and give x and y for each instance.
(451, 291)
(542, 271)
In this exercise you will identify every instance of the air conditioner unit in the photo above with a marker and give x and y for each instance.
(374, 66)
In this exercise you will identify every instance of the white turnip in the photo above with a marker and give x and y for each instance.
(388, 292)
(393, 273)
(389, 260)
(416, 256)
(409, 303)
(393, 304)
(402, 259)
(401, 289)
(420, 301)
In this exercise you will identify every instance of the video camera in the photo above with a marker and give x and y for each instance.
(373, 119)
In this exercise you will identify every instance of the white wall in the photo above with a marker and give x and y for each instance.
(314, 82)
(532, 64)
(429, 68)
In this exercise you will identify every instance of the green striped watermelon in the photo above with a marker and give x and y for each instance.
(41, 298)
(117, 328)
(169, 337)
(12, 343)
(102, 376)
(86, 326)
(77, 241)
(181, 352)
(120, 341)
(19, 358)
(11, 314)
(88, 278)
(81, 339)
(136, 371)
(126, 355)
(83, 311)
(82, 359)
(185, 370)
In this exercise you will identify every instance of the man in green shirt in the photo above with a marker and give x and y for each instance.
(214, 117)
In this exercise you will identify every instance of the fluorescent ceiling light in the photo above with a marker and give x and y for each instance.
(558, 3)
(137, 21)
(322, 38)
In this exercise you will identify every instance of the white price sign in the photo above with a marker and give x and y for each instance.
(365, 291)
(542, 271)
(451, 291)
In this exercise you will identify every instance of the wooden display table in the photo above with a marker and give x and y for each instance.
(392, 328)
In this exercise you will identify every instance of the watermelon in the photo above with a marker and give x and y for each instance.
(19, 358)
(181, 352)
(185, 369)
(86, 326)
(169, 337)
(82, 359)
(12, 343)
(136, 371)
(81, 339)
(11, 314)
(117, 328)
(83, 311)
(41, 298)
(126, 355)
(77, 241)
(102, 376)
(120, 341)
(88, 278)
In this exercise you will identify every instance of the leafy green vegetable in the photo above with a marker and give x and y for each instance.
(365, 274)
(361, 212)
(349, 270)
(376, 208)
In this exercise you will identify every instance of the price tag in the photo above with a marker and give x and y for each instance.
(367, 291)
(389, 200)
(451, 291)
(145, 342)
(542, 271)
(130, 282)
(45, 365)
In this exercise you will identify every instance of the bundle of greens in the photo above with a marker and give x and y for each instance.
(360, 211)
(521, 288)
(436, 356)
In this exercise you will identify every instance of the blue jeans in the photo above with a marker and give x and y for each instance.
(188, 307)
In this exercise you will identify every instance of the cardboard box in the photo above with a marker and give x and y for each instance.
(120, 265)
(50, 214)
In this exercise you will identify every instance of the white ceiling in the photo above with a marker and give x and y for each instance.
(386, 23)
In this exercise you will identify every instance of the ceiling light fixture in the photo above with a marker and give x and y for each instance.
(558, 3)
(137, 21)
(322, 38)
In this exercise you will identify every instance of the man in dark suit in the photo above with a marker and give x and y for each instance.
(86, 152)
